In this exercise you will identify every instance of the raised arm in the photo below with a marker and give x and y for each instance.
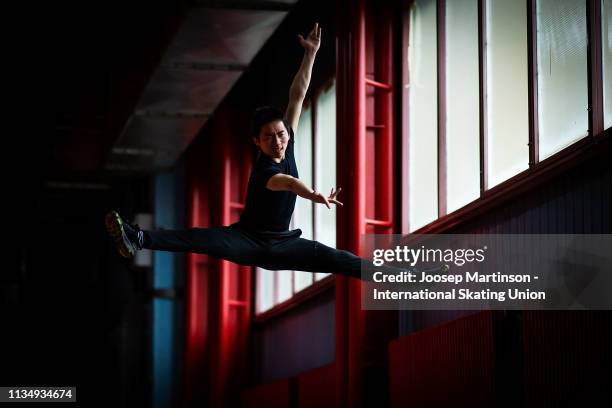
(285, 182)
(298, 89)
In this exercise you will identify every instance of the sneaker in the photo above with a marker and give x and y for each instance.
(128, 238)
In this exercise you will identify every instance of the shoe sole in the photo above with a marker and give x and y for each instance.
(114, 226)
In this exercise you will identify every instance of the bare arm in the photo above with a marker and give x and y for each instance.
(300, 84)
(284, 182)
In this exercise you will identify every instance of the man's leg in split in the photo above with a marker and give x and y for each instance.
(311, 256)
(220, 242)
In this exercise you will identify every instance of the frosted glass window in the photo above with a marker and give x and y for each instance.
(302, 216)
(265, 290)
(606, 55)
(562, 74)
(462, 104)
(267, 295)
(326, 165)
(319, 275)
(423, 118)
(506, 93)
(302, 280)
(284, 285)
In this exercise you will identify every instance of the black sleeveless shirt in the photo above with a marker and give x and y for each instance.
(267, 210)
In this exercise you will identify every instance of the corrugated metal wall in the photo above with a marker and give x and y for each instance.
(300, 341)
(567, 357)
(542, 358)
(453, 362)
(578, 201)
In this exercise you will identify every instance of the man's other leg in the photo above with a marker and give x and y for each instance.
(221, 242)
(312, 256)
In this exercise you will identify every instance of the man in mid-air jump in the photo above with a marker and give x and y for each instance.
(261, 237)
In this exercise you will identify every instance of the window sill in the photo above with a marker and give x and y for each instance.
(298, 299)
(568, 158)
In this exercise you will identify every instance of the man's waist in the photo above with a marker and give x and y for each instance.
(267, 234)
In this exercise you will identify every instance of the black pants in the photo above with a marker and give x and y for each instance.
(269, 251)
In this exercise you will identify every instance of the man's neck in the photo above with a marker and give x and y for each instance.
(274, 159)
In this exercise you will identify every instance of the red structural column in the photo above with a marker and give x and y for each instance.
(383, 31)
(229, 284)
(221, 341)
(220, 370)
(196, 287)
(350, 319)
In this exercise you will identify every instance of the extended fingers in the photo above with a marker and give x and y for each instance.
(321, 199)
(315, 34)
(325, 200)
(333, 193)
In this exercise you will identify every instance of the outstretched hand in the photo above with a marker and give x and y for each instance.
(320, 198)
(313, 41)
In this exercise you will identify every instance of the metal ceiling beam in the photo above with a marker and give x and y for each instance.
(171, 115)
(137, 168)
(72, 185)
(79, 129)
(263, 5)
(133, 151)
(205, 66)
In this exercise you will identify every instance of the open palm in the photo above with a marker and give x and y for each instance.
(313, 41)
(333, 195)
(319, 197)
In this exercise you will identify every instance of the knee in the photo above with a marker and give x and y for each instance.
(339, 261)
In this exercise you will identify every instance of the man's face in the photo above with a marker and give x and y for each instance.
(273, 139)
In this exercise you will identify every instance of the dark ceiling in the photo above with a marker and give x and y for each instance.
(115, 90)
(135, 81)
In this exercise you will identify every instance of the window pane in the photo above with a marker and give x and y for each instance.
(606, 55)
(302, 280)
(507, 99)
(562, 74)
(423, 118)
(325, 228)
(302, 216)
(265, 289)
(462, 100)
(319, 276)
(284, 289)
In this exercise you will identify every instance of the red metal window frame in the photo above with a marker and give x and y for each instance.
(358, 332)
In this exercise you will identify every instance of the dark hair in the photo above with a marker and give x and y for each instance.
(266, 114)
